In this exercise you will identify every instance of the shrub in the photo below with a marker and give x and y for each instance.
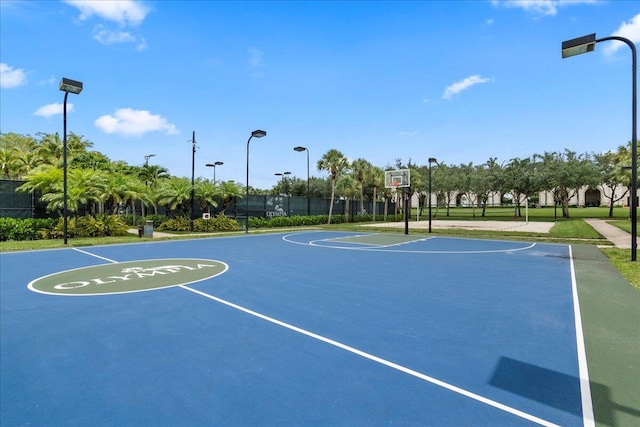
(157, 220)
(224, 223)
(24, 229)
(176, 224)
(294, 221)
(111, 225)
(217, 223)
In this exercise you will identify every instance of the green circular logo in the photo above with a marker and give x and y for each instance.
(131, 276)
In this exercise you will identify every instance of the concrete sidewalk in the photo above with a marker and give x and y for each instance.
(620, 238)
(155, 233)
(521, 226)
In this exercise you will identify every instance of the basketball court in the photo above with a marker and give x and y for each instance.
(316, 327)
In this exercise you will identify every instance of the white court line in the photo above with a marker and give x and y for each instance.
(382, 248)
(583, 371)
(94, 255)
(379, 360)
(587, 407)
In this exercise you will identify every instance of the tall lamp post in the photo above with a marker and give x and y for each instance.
(283, 174)
(431, 160)
(300, 149)
(586, 44)
(213, 165)
(67, 86)
(255, 134)
(147, 157)
(193, 173)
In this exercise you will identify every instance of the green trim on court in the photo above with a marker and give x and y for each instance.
(610, 309)
(126, 277)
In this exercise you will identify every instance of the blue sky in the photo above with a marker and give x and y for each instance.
(462, 81)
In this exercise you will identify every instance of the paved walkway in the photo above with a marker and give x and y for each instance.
(521, 226)
(620, 238)
(155, 233)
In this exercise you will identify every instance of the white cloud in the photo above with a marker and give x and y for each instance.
(48, 81)
(11, 77)
(129, 122)
(127, 13)
(539, 7)
(52, 110)
(124, 12)
(142, 45)
(464, 84)
(109, 37)
(629, 30)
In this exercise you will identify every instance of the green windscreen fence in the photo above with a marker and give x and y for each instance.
(14, 204)
(273, 206)
(25, 205)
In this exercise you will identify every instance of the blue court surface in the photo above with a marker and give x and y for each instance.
(308, 328)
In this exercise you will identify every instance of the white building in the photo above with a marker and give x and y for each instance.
(585, 197)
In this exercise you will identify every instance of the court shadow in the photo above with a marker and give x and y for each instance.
(555, 389)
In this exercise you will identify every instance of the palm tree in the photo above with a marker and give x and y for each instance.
(8, 162)
(77, 144)
(17, 155)
(228, 191)
(377, 181)
(153, 174)
(207, 192)
(336, 164)
(50, 148)
(26, 161)
(348, 188)
(90, 160)
(114, 192)
(44, 179)
(174, 192)
(361, 171)
(135, 190)
(85, 186)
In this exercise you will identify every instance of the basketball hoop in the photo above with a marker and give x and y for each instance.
(395, 179)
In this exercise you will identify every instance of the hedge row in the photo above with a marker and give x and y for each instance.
(296, 221)
(36, 229)
(113, 225)
(217, 223)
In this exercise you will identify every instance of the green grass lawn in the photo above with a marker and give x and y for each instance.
(621, 259)
(622, 224)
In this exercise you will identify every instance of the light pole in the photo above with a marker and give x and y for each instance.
(213, 165)
(586, 44)
(255, 134)
(193, 173)
(283, 174)
(431, 160)
(67, 86)
(300, 149)
(147, 157)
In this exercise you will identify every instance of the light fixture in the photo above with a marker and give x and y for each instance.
(255, 134)
(67, 86)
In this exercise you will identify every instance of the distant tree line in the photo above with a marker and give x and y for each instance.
(102, 186)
